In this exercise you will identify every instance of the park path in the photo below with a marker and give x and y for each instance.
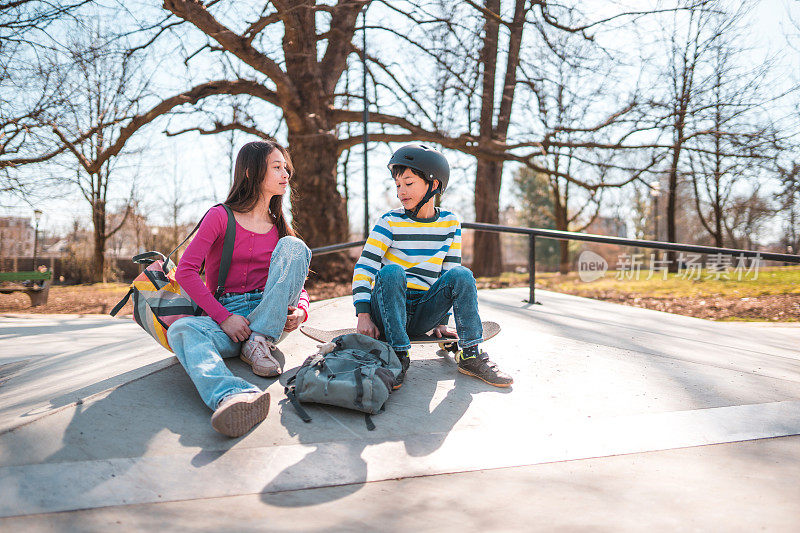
(620, 418)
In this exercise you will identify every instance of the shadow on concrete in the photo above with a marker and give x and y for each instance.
(73, 326)
(124, 423)
(407, 418)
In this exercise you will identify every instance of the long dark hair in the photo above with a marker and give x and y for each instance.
(248, 176)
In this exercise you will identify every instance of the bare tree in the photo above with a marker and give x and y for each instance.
(28, 89)
(789, 198)
(746, 216)
(693, 37)
(304, 78)
(493, 128)
(103, 92)
(734, 140)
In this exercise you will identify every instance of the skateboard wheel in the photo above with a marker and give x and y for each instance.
(450, 346)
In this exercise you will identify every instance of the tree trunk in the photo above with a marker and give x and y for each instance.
(672, 191)
(718, 240)
(487, 259)
(487, 254)
(98, 255)
(562, 224)
(319, 223)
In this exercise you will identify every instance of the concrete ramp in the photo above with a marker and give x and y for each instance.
(639, 418)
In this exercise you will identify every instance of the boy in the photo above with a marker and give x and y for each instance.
(409, 274)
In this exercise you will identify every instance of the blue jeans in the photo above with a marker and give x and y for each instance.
(399, 312)
(200, 344)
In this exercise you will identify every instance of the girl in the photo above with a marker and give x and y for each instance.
(266, 276)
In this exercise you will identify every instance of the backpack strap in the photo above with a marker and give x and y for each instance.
(121, 303)
(289, 390)
(227, 253)
(227, 248)
(369, 422)
(169, 255)
(359, 388)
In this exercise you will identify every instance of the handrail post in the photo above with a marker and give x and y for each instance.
(532, 269)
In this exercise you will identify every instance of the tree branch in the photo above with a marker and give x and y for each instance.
(194, 12)
(189, 97)
(340, 37)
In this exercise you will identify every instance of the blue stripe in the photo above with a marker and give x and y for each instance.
(423, 251)
(383, 231)
(362, 266)
(416, 237)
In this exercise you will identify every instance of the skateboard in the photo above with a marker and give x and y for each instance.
(490, 329)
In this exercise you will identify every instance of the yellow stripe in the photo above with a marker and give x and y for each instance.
(445, 224)
(377, 244)
(362, 277)
(415, 286)
(162, 339)
(144, 285)
(455, 246)
(147, 286)
(172, 287)
(405, 264)
(399, 261)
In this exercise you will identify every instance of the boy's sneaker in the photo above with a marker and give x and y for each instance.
(236, 414)
(258, 352)
(405, 361)
(481, 368)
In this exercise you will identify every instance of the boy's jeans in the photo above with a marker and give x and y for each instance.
(200, 344)
(399, 312)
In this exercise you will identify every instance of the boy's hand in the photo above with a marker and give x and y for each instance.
(366, 326)
(443, 331)
(236, 327)
(294, 317)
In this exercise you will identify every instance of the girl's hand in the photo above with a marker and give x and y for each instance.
(366, 326)
(444, 331)
(294, 318)
(236, 327)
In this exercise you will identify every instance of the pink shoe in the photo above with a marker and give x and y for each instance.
(236, 414)
(257, 352)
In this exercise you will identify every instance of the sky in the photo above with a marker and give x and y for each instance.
(203, 163)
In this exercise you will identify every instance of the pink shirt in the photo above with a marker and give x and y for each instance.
(249, 266)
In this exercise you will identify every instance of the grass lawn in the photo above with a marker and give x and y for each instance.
(770, 281)
(774, 296)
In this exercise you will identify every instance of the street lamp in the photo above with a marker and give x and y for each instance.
(37, 216)
(655, 192)
(365, 119)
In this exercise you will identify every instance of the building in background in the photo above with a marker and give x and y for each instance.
(16, 237)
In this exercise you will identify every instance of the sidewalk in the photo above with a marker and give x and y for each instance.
(620, 419)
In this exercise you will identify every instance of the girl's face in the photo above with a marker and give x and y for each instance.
(411, 188)
(277, 177)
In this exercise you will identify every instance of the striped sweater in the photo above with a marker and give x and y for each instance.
(423, 247)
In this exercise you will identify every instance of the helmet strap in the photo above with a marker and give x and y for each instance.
(428, 195)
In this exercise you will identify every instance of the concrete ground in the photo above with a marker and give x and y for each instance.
(619, 419)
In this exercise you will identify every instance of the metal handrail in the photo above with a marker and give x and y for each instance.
(533, 233)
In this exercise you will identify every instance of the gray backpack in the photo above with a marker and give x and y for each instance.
(352, 371)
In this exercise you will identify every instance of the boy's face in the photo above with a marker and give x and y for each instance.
(411, 188)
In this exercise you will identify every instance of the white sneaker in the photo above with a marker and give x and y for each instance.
(236, 414)
(258, 352)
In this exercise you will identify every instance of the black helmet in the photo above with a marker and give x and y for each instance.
(430, 162)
